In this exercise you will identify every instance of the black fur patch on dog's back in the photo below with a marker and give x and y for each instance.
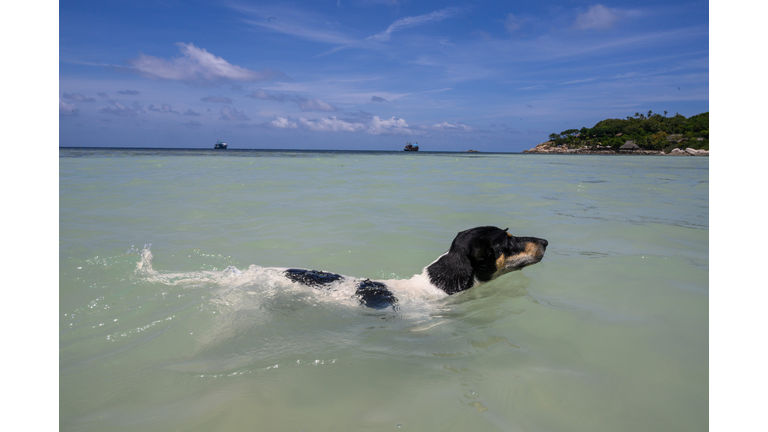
(313, 278)
(375, 295)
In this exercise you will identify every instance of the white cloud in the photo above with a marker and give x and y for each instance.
(314, 105)
(196, 66)
(598, 17)
(67, 108)
(330, 124)
(78, 97)
(117, 109)
(407, 22)
(393, 126)
(228, 113)
(448, 127)
(283, 123)
(372, 125)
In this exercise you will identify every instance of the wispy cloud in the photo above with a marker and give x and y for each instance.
(228, 113)
(449, 127)
(407, 22)
(66, 108)
(196, 66)
(115, 108)
(303, 103)
(291, 21)
(78, 97)
(192, 125)
(164, 108)
(511, 24)
(578, 81)
(314, 105)
(261, 94)
(129, 92)
(217, 99)
(317, 35)
(597, 17)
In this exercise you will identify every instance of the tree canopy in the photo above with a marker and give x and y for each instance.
(651, 131)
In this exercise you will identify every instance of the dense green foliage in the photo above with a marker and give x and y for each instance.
(649, 132)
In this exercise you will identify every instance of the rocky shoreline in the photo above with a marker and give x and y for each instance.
(549, 147)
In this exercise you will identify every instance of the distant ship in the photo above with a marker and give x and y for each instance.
(410, 147)
(220, 145)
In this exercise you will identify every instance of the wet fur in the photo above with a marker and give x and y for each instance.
(476, 256)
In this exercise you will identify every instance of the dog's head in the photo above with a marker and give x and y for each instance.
(494, 252)
(483, 254)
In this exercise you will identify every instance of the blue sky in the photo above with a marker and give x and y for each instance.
(371, 74)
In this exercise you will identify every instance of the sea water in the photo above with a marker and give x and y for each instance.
(171, 318)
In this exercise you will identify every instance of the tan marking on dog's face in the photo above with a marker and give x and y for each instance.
(510, 235)
(531, 255)
(501, 262)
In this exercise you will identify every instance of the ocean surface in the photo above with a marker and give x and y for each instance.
(170, 318)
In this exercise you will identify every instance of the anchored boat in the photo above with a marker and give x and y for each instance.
(220, 145)
(410, 147)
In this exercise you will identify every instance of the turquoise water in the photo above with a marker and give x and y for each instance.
(169, 318)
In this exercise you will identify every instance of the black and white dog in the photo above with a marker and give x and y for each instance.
(476, 256)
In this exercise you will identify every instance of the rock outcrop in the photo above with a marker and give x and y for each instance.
(549, 147)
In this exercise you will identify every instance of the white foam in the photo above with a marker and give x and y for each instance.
(244, 288)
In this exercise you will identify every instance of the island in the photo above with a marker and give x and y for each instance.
(641, 134)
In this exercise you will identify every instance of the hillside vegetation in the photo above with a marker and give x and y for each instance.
(650, 132)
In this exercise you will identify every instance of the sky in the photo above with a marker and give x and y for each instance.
(496, 76)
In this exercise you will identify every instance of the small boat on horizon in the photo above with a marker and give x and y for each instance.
(410, 147)
(220, 145)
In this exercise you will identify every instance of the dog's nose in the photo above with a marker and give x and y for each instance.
(544, 242)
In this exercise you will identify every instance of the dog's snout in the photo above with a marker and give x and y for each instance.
(543, 242)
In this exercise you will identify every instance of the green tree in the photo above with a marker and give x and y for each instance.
(653, 129)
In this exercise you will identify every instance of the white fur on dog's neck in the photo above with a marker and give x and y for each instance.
(417, 286)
